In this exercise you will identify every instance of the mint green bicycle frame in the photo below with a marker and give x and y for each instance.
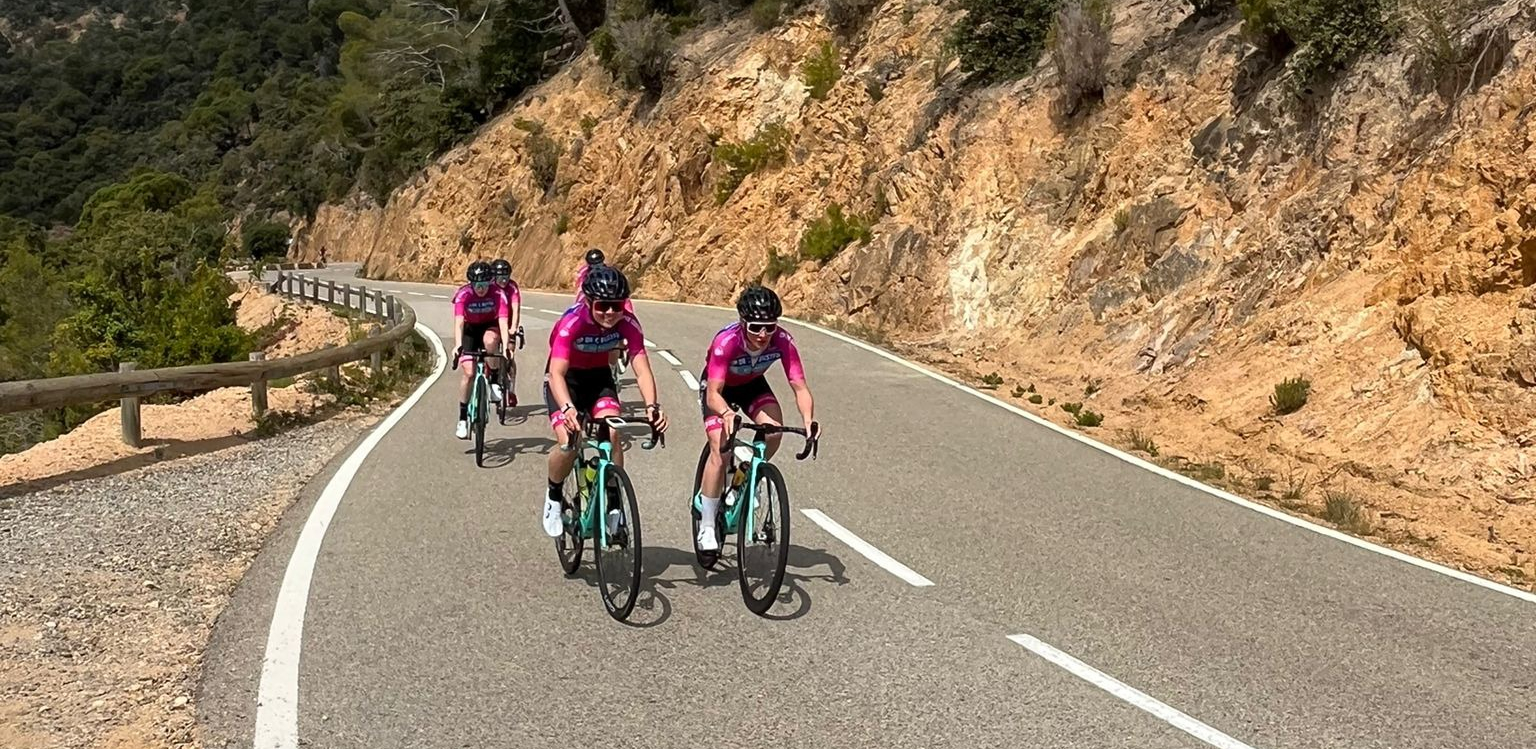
(587, 525)
(732, 515)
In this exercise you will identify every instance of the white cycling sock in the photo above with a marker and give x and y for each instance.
(709, 506)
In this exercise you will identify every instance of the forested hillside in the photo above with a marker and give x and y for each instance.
(144, 142)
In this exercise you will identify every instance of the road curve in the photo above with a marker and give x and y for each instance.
(1075, 599)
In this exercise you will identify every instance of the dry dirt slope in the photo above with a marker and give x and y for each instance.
(1167, 259)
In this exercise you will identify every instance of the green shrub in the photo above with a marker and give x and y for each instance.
(563, 224)
(543, 159)
(765, 13)
(1327, 34)
(1087, 418)
(767, 148)
(1210, 7)
(637, 52)
(1000, 39)
(1036, 399)
(1142, 441)
(828, 235)
(779, 265)
(588, 124)
(1072, 407)
(264, 240)
(1290, 395)
(845, 16)
(1346, 512)
(821, 70)
(991, 381)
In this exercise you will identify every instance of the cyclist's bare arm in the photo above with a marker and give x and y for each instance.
(803, 401)
(643, 378)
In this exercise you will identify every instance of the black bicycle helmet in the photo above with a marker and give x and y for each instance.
(501, 267)
(479, 272)
(605, 283)
(594, 256)
(759, 304)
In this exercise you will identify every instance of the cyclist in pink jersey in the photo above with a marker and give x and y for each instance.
(479, 313)
(577, 378)
(733, 377)
(501, 280)
(594, 259)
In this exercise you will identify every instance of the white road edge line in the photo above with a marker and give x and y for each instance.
(665, 354)
(1465, 577)
(863, 547)
(693, 382)
(277, 695)
(1130, 694)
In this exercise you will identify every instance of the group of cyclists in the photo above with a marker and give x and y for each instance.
(585, 346)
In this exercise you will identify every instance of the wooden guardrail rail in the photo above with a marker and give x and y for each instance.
(130, 384)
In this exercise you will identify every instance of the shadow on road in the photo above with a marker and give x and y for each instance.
(501, 451)
(794, 595)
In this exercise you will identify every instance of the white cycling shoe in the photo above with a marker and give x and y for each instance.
(495, 393)
(462, 430)
(706, 538)
(554, 525)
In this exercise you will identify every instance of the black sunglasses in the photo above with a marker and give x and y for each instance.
(607, 306)
(760, 328)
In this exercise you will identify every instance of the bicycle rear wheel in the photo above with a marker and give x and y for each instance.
(569, 544)
(706, 559)
(618, 556)
(481, 401)
(762, 554)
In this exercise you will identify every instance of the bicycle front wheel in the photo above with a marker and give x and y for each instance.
(616, 545)
(762, 553)
(481, 400)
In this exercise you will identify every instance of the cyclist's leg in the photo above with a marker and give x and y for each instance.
(603, 392)
(713, 481)
(560, 461)
(491, 341)
(765, 409)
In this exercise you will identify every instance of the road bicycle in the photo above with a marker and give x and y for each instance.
(762, 538)
(479, 398)
(597, 482)
(505, 377)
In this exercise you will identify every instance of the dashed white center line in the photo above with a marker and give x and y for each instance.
(863, 547)
(1130, 694)
(665, 354)
(693, 382)
(415, 293)
(550, 311)
(438, 296)
(648, 343)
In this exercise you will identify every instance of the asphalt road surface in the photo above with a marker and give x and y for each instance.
(1062, 598)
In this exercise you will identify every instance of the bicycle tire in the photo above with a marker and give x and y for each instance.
(608, 562)
(568, 544)
(481, 398)
(705, 559)
(777, 501)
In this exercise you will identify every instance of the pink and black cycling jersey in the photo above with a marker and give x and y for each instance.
(730, 362)
(479, 310)
(513, 294)
(578, 339)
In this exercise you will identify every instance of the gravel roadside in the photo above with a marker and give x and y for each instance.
(109, 587)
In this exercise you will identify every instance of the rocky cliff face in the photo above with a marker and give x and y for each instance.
(1166, 259)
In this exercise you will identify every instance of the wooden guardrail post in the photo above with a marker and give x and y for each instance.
(346, 295)
(330, 292)
(128, 410)
(258, 389)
